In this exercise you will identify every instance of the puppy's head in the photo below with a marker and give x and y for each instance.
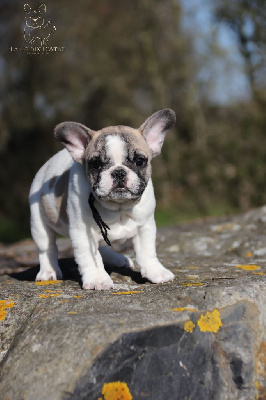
(34, 16)
(117, 159)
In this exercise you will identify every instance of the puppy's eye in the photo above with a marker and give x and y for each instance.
(96, 164)
(140, 161)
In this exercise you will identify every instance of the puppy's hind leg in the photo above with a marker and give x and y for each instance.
(45, 239)
(114, 259)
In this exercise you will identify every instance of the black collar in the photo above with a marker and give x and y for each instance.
(97, 218)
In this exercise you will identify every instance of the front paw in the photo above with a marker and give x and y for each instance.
(156, 273)
(49, 275)
(100, 281)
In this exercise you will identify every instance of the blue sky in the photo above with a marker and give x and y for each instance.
(225, 69)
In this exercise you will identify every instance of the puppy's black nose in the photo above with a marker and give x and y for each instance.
(119, 174)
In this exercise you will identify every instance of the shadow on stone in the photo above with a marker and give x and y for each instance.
(70, 272)
(159, 363)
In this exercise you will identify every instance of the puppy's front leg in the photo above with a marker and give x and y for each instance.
(145, 247)
(89, 261)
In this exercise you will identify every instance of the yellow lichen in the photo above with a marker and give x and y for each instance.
(189, 326)
(258, 273)
(4, 304)
(72, 312)
(192, 267)
(44, 296)
(47, 282)
(192, 284)
(129, 292)
(210, 322)
(77, 297)
(53, 291)
(248, 267)
(249, 254)
(184, 309)
(116, 391)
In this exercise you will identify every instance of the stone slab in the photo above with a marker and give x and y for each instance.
(202, 336)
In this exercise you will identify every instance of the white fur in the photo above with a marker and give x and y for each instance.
(115, 149)
(126, 220)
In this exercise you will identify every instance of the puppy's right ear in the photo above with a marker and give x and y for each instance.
(75, 137)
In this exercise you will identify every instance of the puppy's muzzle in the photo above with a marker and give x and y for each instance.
(119, 176)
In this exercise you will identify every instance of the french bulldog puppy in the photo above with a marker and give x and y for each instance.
(102, 180)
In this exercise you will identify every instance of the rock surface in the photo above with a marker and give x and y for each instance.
(202, 336)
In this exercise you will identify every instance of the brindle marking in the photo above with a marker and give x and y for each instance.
(56, 212)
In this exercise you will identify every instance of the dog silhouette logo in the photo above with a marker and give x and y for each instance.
(37, 29)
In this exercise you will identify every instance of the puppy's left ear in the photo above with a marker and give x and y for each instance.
(155, 128)
(75, 137)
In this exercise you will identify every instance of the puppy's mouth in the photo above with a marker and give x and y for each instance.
(119, 188)
(120, 194)
(120, 191)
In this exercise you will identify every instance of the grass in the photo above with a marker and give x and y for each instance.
(10, 231)
(172, 215)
